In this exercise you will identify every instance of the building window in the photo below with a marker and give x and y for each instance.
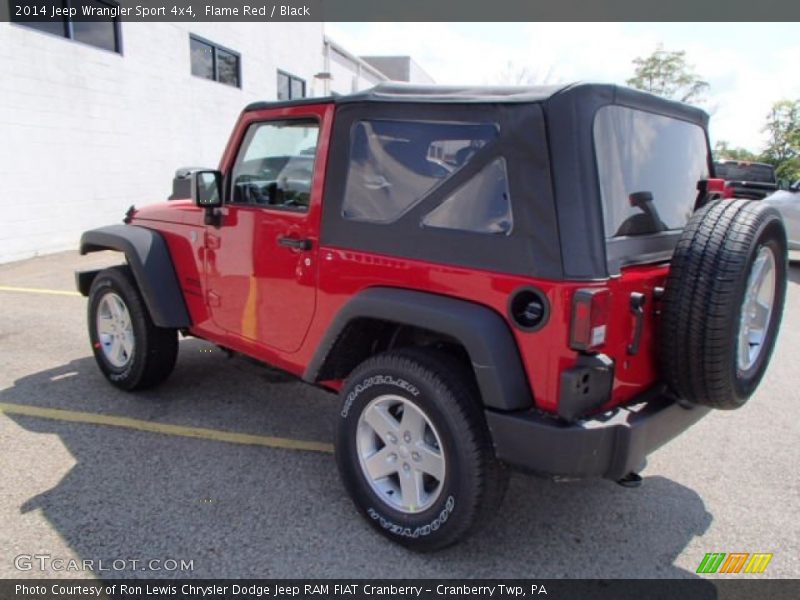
(290, 87)
(101, 32)
(211, 61)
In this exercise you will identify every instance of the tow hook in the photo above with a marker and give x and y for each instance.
(631, 480)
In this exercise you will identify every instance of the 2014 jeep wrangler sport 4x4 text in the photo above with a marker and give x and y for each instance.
(534, 277)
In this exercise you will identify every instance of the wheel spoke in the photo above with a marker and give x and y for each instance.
(104, 325)
(411, 488)
(127, 344)
(759, 316)
(412, 422)
(117, 351)
(758, 272)
(744, 350)
(381, 464)
(382, 422)
(431, 462)
(114, 307)
(755, 335)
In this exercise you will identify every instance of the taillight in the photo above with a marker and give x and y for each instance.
(590, 310)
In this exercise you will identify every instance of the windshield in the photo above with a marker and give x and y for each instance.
(742, 171)
(649, 166)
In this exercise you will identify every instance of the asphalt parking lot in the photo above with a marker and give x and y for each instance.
(228, 465)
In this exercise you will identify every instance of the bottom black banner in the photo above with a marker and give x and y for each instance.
(422, 589)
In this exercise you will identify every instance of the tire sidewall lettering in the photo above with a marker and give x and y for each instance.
(419, 530)
(372, 381)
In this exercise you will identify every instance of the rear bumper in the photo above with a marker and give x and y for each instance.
(609, 446)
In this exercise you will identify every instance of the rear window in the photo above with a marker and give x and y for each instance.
(741, 171)
(648, 167)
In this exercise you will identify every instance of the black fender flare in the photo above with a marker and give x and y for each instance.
(484, 334)
(150, 261)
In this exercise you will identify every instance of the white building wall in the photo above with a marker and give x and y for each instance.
(85, 133)
(417, 75)
(348, 73)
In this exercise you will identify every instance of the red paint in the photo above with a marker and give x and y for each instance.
(715, 185)
(231, 273)
(728, 191)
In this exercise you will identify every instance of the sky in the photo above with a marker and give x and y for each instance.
(749, 66)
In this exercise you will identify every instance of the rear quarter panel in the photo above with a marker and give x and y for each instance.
(545, 353)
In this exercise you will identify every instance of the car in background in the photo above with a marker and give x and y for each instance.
(787, 202)
(744, 179)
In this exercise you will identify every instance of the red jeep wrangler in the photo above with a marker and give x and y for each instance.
(530, 277)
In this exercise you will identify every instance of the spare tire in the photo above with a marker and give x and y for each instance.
(723, 302)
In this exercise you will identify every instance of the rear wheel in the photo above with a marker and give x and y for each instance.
(413, 449)
(723, 302)
(130, 350)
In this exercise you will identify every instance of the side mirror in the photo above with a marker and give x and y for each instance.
(795, 187)
(207, 189)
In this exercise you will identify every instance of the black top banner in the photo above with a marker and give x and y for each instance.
(399, 589)
(402, 10)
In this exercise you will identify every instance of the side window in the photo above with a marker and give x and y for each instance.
(394, 164)
(275, 165)
(481, 205)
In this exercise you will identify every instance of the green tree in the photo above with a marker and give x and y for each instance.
(783, 139)
(723, 150)
(666, 73)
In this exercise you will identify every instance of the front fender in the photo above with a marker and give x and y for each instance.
(150, 261)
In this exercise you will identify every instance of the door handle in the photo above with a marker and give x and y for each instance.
(296, 243)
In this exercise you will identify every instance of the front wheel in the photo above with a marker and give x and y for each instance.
(413, 449)
(130, 350)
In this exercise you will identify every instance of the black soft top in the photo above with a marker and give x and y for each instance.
(546, 138)
(588, 95)
(405, 92)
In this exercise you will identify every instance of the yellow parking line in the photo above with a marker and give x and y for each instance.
(24, 290)
(217, 435)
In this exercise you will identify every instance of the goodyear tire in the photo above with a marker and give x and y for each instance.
(723, 302)
(131, 352)
(413, 449)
